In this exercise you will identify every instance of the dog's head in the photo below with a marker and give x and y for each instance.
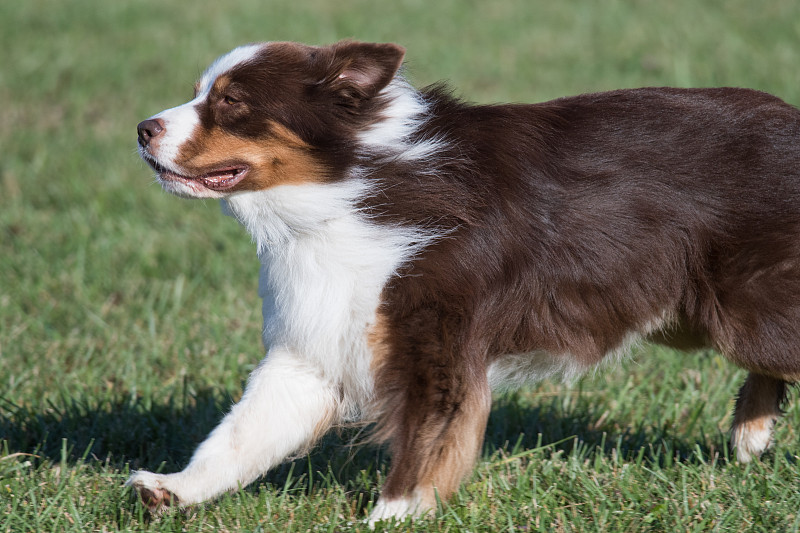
(269, 114)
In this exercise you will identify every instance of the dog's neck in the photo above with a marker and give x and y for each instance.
(280, 216)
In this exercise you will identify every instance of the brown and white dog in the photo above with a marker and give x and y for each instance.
(419, 252)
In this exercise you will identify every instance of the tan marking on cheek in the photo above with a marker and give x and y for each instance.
(277, 159)
(288, 160)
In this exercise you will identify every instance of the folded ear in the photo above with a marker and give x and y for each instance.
(358, 71)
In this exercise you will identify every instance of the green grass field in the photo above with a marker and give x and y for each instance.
(129, 319)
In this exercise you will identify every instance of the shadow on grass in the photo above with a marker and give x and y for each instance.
(117, 430)
(547, 424)
(156, 436)
(162, 437)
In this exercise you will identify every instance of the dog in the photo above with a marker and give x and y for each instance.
(418, 252)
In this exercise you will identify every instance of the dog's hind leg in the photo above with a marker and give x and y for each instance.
(287, 404)
(757, 408)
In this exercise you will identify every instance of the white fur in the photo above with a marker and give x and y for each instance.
(403, 116)
(752, 439)
(223, 64)
(285, 400)
(323, 269)
(398, 508)
(179, 125)
(516, 370)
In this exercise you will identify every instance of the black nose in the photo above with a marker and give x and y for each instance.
(152, 127)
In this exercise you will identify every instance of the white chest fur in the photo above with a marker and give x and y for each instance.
(323, 267)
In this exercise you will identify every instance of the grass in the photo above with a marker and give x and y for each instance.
(129, 319)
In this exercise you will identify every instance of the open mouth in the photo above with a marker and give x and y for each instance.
(217, 180)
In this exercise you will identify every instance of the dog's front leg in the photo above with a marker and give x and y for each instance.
(439, 430)
(286, 405)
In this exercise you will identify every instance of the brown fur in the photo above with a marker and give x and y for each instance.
(576, 222)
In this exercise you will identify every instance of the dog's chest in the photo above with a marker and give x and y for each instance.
(323, 268)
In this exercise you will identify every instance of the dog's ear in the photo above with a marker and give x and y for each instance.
(358, 71)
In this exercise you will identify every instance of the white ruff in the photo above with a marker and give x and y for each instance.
(402, 117)
(323, 267)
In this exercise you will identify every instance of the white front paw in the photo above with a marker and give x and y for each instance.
(150, 487)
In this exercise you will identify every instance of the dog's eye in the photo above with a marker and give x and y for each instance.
(230, 100)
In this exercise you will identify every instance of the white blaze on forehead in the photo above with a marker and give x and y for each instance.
(223, 64)
(181, 121)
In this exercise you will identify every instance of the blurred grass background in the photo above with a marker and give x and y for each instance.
(129, 319)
